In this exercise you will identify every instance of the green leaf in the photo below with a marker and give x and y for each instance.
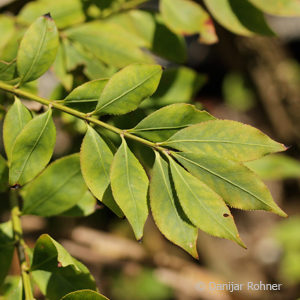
(187, 17)
(12, 289)
(56, 272)
(236, 184)
(84, 207)
(60, 68)
(288, 8)
(240, 17)
(38, 49)
(176, 85)
(7, 247)
(128, 88)
(56, 190)
(85, 97)
(103, 40)
(203, 206)
(166, 211)
(95, 161)
(109, 201)
(228, 139)
(163, 123)
(7, 29)
(274, 167)
(129, 184)
(7, 70)
(3, 175)
(84, 295)
(15, 120)
(66, 13)
(32, 149)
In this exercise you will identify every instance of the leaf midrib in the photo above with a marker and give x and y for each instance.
(203, 206)
(227, 180)
(127, 91)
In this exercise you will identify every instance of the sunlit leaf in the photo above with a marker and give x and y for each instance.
(32, 149)
(7, 29)
(227, 139)
(203, 206)
(163, 123)
(240, 17)
(187, 17)
(236, 184)
(166, 211)
(95, 161)
(128, 88)
(129, 184)
(38, 49)
(287, 8)
(85, 97)
(56, 190)
(84, 295)
(15, 120)
(12, 289)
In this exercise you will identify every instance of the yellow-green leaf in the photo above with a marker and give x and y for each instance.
(128, 88)
(85, 97)
(236, 184)
(15, 120)
(38, 49)
(32, 149)
(7, 70)
(167, 212)
(163, 123)
(288, 8)
(187, 17)
(56, 190)
(3, 174)
(240, 17)
(129, 184)
(95, 161)
(203, 206)
(228, 139)
(84, 295)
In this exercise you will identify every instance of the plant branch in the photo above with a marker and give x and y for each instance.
(18, 92)
(20, 243)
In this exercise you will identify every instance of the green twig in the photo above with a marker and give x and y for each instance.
(78, 114)
(20, 243)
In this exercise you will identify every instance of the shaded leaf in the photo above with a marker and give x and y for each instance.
(187, 17)
(129, 184)
(236, 184)
(56, 272)
(128, 88)
(203, 206)
(103, 40)
(84, 207)
(12, 289)
(163, 123)
(165, 210)
(85, 97)
(109, 201)
(38, 49)
(32, 149)
(66, 13)
(3, 174)
(15, 120)
(274, 167)
(84, 295)
(240, 17)
(228, 139)
(7, 247)
(287, 8)
(56, 190)
(7, 70)
(95, 161)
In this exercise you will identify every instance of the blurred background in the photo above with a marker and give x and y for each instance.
(252, 80)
